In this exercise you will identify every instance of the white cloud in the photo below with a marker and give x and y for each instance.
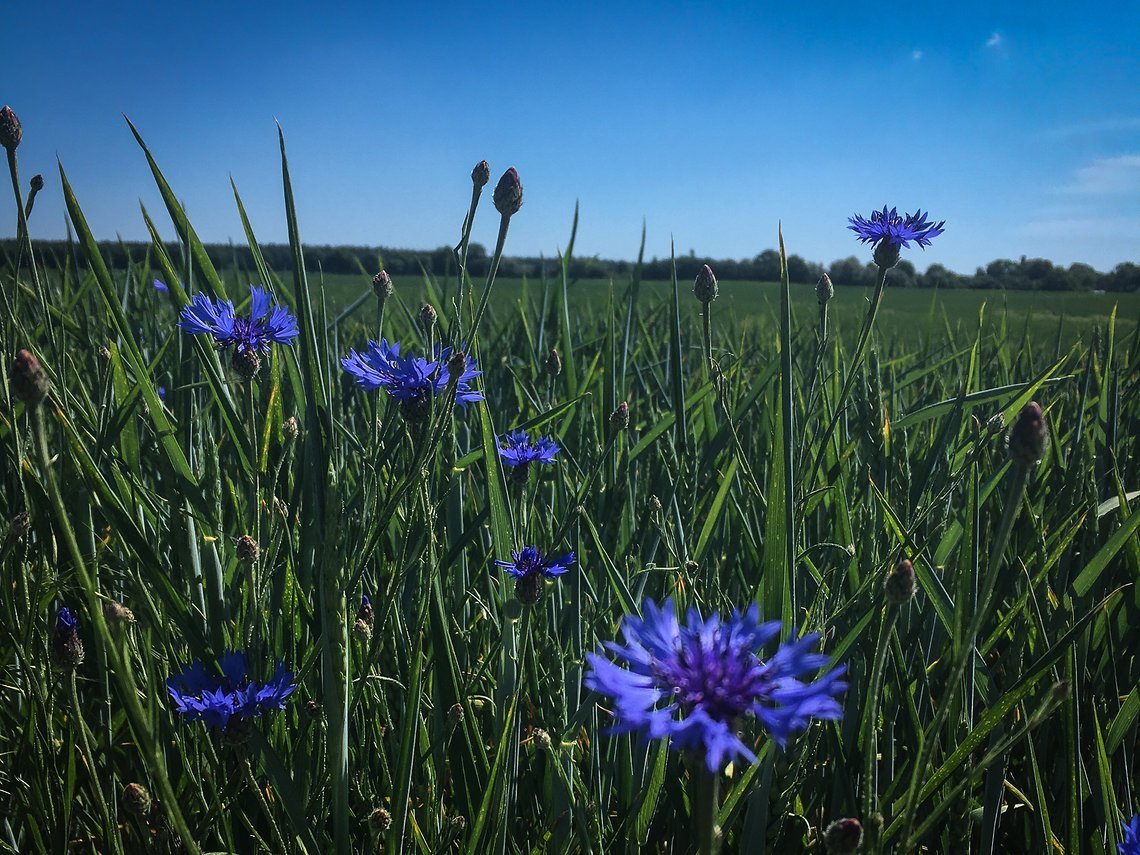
(916, 55)
(1107, 176)
(994, 40)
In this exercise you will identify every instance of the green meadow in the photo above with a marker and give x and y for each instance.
(941, 485)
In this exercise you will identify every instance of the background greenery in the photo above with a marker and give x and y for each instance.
(764, 461)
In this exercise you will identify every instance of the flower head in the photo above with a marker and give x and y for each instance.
(530, 567)
(695, 681)
(411, 380)
(888, 226)
(531, 562)
(1131, 842)
(249, 337)
(225, 699)
(160, 286)
(517, 449)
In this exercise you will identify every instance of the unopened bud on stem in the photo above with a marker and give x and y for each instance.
(382, 285)
(10, 131)
(824, 290)
(481, 174)
(1029, 437)
(28, 379)
(705, 287)
(509, 193)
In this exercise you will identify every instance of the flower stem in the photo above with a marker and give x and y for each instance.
(706, 785)
(852, 369)
(870, 733)
(128, 691)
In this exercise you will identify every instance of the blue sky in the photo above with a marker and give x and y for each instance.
(1019, 124)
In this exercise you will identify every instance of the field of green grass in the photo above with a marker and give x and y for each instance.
(1041, 317)
(950, 509)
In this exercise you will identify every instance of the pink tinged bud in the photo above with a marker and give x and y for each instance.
(136, 799)
(1029, 437)
(481, 174)
(428, 317)
(619, 418)
(382, 285)
(705, 287)
(824, 290)
(10, 131)
(247, 550)
(843, 837)
(509, 193)
(900, 586)
(28, 379)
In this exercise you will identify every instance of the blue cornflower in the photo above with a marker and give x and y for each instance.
(1131, 843)
(227, 699)
(530, 567)
(694, 682)
(161, 287)
(517, 450)
(66, 647)
(412, 380)
(250, 337)
(888, 226)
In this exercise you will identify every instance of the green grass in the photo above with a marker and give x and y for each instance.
(996, 712)
(1045, 317)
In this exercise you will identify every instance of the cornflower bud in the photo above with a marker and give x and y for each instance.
(824, 290)
(382, 285)
(705, 287)
(455, 715)
(691, 567)
(481, 174)
(28, 379)
(428, 317)
(247, 550)
(366, 613)
(66, 647)
(900, 585)
(542, 740)
(37, 183)
(457, 364)
(843, 837)
(619, 418)
(379, 821)
(1029, 437)
(458, 825)
(292, 428)
(116, 613)
(996, 423)
(10, 131)
(312, 710)
(20, 525)
(553, 364)
(508, 193)
(136, 799)
(104, 352)
(361, 631)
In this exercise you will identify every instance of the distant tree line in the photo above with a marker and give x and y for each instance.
(1027, 274)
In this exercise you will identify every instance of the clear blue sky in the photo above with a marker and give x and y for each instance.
(1017, 123)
